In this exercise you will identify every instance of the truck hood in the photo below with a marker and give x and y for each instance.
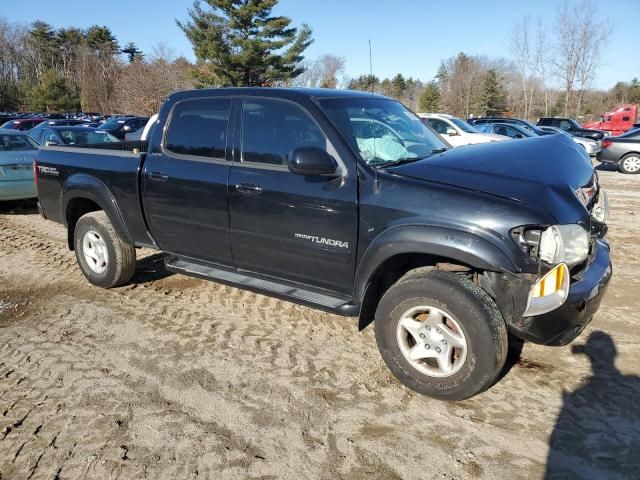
(544, 172)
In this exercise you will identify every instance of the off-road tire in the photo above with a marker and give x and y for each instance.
(474, 310)
(122, 256)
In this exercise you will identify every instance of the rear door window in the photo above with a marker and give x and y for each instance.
(199, 128)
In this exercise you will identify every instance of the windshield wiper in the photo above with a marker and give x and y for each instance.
(402, 161)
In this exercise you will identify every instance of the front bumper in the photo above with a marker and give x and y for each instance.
(564, 324)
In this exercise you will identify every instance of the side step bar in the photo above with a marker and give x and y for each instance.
(338, 305)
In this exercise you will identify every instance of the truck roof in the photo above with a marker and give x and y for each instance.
(291, 93)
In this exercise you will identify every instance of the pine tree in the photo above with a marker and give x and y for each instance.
(429, 98)
(53, 94)
(366, 83)
(133, 52)
(239, 43)
(494, 98)
(398, 87)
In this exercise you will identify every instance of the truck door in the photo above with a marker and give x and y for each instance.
(286, 225)
(184, 181)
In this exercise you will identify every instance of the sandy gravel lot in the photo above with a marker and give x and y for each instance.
(173, 377)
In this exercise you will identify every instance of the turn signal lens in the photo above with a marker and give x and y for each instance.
(549, 292)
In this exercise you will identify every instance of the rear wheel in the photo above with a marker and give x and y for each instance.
(105, 259)
(630, 163)
(441, 335)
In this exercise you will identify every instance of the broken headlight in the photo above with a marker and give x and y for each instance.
(556, 244)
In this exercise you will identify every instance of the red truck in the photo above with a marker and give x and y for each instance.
(616, 122)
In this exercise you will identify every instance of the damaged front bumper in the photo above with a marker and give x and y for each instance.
(565, 323)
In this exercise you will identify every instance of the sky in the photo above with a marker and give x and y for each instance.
(407, 36)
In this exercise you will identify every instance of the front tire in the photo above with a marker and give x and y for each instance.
(630, 163)
(441, 335)
(105, 259)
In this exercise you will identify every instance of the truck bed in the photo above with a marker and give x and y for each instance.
(110, 168)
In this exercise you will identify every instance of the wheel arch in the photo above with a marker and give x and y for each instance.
(401, 249)
(83, 194)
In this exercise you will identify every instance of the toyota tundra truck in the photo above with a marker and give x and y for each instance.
(345, 201)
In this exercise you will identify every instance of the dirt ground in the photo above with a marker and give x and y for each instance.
(173, 377)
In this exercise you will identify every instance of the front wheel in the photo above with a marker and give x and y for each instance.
(441, 335)
(630, 163)
(105, 259)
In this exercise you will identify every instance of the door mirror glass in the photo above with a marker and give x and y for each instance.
(50, 143)
(451, 132)
(312, 161)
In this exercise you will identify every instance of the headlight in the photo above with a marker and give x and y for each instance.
(564, 244)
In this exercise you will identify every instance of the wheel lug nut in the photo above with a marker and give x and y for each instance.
(438, 349)
(427, 346)
(428, 328)
(422, 335)
(444, 342)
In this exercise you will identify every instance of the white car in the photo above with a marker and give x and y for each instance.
(592, 147)
(458, 132)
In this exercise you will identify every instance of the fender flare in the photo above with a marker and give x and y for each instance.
(457, 245)
(85, 186)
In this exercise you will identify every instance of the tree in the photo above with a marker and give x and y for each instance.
(365, 83)
(133, 52)
(239, 43)
(398, 87)
(493, 96)
(429, 98)
(53, 94)
(580, 40)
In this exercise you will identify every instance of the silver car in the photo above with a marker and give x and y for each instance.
(592, 147)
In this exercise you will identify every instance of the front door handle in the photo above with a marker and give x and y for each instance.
(158, 176)
(249, 188)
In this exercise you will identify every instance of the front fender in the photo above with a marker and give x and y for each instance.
(459, 246)
(85, 186)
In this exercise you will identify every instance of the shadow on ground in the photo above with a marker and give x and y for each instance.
(150, 268)
(597, 435)
(19, 207)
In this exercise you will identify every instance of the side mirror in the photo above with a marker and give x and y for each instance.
(518, 135)
(50, 143)
(126, 128)
(451, 132)
(312, 161)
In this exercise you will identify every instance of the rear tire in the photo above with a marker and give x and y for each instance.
(630, 163)
(425, 312)
(105, 259)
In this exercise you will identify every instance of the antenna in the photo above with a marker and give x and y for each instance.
(370, 68)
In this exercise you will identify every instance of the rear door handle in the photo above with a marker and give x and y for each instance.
(158, 176)
(249, 188)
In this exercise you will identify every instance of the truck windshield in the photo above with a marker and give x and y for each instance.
(382, 131)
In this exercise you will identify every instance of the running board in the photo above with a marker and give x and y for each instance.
(339, 305)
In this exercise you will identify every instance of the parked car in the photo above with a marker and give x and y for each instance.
(511, 131)
(144, 132)
(458, 132)
(528, 126)
(22, 124)
(17, 154)
(623, 151)
(54, 123)
(616, 122)
(569, 125)
(74, 135)
(274, 190)
(592, 147)
(119, 127)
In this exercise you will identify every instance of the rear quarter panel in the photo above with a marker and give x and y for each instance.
(110, 178)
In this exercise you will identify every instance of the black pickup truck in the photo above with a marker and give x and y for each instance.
(347, 202)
